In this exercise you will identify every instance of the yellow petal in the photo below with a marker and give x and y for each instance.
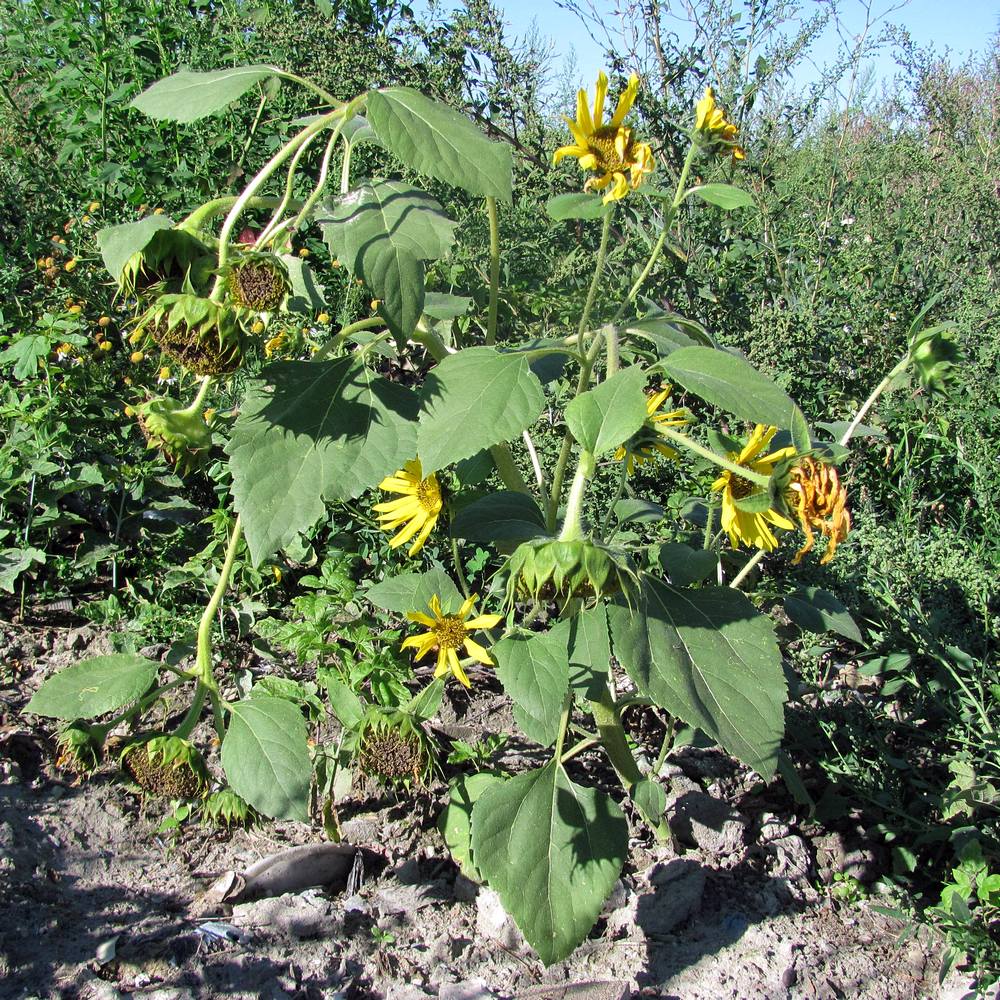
(397, 484)
(564, 151)
(583, 120)
(478, 653)
(579, 137)
(588, 161)
(412, 527)
(457, 670)
(704, 108)
(424, 533)
(467, 606)
(626, 101)
(618, 191)
(598, 183)
(484, 621)
(419, 616)
(599, 96)
(621, 142)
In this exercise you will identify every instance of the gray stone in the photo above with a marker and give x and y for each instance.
(294, 915)
(470, 989)
(676, 890)
(493, 921)
(710, 824)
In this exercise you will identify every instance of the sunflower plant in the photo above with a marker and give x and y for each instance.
(579, 620)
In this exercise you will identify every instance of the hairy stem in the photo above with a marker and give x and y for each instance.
(491, 316)
(699, 449)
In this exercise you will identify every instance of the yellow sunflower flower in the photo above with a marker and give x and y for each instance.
(417, 507)
(752, 527)
(609, 150)
(449, 633)
(817, 495)
(646, 443)
(711, 119)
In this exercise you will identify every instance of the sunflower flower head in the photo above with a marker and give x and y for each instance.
(607, 149)
(817, 495)
(710, 120)
(647, 442)
(447, 634)
(747, 514)
(416, 508)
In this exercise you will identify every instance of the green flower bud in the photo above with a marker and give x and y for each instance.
(180, 433)
(934, 354)
(170, 257)
(80, 747)
(225, 807)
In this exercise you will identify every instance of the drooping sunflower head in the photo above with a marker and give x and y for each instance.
(711, 122)
(201, 335)
(817, 495)
(170, 257)
(648, 442)
(167, 766)
(608, 149)
(448, 633)
(749, 508)
(416, 509)
(393, 748)
(80, 747)
(179, 433)
(257, 282)
(225, 808)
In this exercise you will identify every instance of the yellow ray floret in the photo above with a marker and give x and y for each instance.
(711, 120)
(751, 527)
(608, 150)
(416, 509)
(647, 442)
(447, 634)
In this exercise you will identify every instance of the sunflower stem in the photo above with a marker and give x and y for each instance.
(572, 528)
(199, 398)
(563, 725)
(459, 568)
(748, 568)
(872, 399)
(709, 526)
(699, 449)
(337, 340)
(613, 349)
(218, 206)
(602, 252)
(491, 317)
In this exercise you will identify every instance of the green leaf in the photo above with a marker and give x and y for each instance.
(310, 432)
(94, 687)
(818, 610)
(455, 823)
(534, 672)
(708, 657)
(638, 511)
(346, 705)
(733, 384)
(25, 353)
(119, 243)
(383, 232)
(426, 702)
(723, 196)
(603, 418)
(589, 644)
(307, 295)
(685, 565)
(649, 796)
(472, 400)
(187, 96)
(413, 592)
(576, 205)
(552, 851)
(14, 562)
(435, 140)
(500, 517)
(265, 755)
(442, 306)
(669, 331)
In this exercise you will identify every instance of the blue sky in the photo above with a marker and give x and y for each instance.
(962, 26)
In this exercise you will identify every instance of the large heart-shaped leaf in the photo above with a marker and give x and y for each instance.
(818, 610)
(500, 517)
(534, 672)
(413, 591)
(603, 418)
(710, 658)
(94, 687)
(552, 850)
(382, 232)
(119, 243)
(435, 140)
(474, 399)
(266, 756)
(187, 96)
(310, 432)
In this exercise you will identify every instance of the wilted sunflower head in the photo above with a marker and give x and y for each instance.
(257, 282)
(166, 261)
(393, 748)
(80, 747)
(711, 122)
(817, 495)
(225, 807)
(180, 433)
(167, 766)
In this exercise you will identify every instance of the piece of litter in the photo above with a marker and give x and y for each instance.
(219, 931)
(106, 950)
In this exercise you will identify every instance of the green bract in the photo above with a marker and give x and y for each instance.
(178, 431)
(202, 335)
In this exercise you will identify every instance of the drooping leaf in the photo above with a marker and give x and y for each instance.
(94, 687)
(187, 96)
(265, 755)
(383, 232)
(818, 610)
(425, 703)
(534, 672)
(308, 294)
(413, 591)
(442, 306)
(733, 384)
(638, 511)
(437, 141)
(602, 418)
(14, 562)
(723, 196)
(576, 205)
(310, 432)
(669, 331)
(119, 243)
(500, 517)
(552, 850)
(710, 658)
(455, 823)
(685, 565)
(472, 400)
(589, 644)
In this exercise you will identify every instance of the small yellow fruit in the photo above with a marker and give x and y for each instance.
(277, 573)
(157, 211)
(304, 252)
(335, 263)
(209, 415)
(85, 219)
(105, 345)
(104, 321)
(136, 357)
(258, 327)
(93, 206)
(375, 304)
(129, 412)
(135, 337)
(50, 262)
(323, 318)
(70, 265)
(164, 375)
(75, 309)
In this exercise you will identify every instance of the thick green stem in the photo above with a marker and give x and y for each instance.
(309, 85)
(207, 684)
(491, 316)
(337, 340)
(199, 398)
(609, 725)
(613, 352)
(218, 206)
(871, 400)
(563, 725)
(572, 528)
(602, 252)
(744, 473)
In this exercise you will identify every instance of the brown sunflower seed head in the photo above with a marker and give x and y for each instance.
(166, 766)
(393, 748)
(201, 335)
(257, 282)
